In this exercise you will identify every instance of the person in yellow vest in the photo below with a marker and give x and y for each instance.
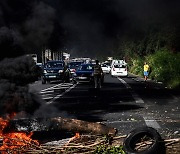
(146, 71)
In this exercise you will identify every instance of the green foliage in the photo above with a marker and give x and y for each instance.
(165, 67)
(104, 149)
(159, 45)
(136, 66)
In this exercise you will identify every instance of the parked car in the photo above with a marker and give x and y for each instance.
(73, 66)
(105, 68)
(119, 70)
(55, 70)
(85, 73)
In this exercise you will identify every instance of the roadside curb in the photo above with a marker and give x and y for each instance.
(161, 84)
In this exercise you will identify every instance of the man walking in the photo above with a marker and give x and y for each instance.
(97, 74)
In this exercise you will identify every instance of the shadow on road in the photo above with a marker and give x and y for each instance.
(90, 104)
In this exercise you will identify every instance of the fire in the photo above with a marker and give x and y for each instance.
(77, 135)
(12, 140)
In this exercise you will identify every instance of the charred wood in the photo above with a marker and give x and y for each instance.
(59, 124)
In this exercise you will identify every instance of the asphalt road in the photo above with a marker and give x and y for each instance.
(122, 103)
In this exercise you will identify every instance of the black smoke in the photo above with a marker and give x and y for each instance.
(10, 42)
(15, 75)
(82, 27)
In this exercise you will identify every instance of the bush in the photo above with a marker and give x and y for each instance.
(165, 67)
(103, 149)
(137, 66)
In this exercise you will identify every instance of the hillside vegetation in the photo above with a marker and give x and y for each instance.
(158, 46)
(165, 67)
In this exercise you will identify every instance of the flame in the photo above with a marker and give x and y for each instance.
(77, 135)
(12, 140)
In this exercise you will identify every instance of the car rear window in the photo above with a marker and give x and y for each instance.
(75, 64)
(103, 65)
(119, 66)
(86, 67)
(54, 64)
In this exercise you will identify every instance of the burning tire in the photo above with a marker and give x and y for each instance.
(143, 140)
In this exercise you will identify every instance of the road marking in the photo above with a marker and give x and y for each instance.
(51, 87)
(113, 122)
(46, 98)
(48, 91)
(60, 95)
(136, 97)
(151, 123)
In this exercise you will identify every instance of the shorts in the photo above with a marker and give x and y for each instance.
(146, 73)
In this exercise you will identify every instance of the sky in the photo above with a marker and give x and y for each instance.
(81, 27)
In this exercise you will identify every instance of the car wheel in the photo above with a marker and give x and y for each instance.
(146, 136)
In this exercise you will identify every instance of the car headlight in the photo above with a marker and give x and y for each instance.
(44, 71)
(60, 71)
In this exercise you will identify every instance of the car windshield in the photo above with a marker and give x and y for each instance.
(74, 64)
(86, 68)
(54, 64)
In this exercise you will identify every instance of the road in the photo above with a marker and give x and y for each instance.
(122, 103)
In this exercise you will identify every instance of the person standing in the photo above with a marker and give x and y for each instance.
(146, 71)
(97, 74)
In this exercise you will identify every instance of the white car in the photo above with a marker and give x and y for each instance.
(105, 68)
(119, 70)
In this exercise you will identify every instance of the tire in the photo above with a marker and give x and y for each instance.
(137, 134)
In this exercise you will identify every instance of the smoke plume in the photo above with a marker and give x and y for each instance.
(81, 27)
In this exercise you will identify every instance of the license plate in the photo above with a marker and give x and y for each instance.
(82, 77)
(53, 76)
